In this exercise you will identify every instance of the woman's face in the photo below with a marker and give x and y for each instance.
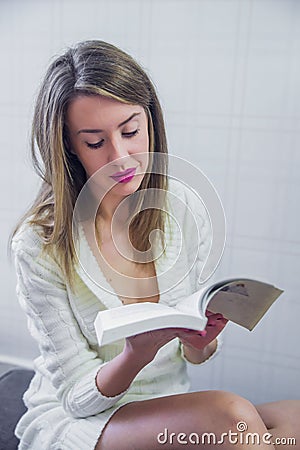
(112, 136)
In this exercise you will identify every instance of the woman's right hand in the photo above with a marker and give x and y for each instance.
(144, 346)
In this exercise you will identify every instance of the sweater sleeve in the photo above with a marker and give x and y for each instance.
(212, 356)
(69, 362)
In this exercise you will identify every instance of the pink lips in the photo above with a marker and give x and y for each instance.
(125, 176)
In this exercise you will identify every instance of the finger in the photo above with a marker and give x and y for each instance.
(219, 316)
(197, 332)
(191, 333)
(188, 330)
(166, 331)
(216, 316)
(223, 321)
(211, 322)
(202, 333)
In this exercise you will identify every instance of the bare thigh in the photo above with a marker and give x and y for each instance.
(154, 424)
(282, 419)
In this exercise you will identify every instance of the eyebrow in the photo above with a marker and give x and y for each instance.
(120, 125)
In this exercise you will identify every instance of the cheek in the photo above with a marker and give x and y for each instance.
(141, 155)
(91, 165)
(141, 146)
(145, 143)
(140, 143)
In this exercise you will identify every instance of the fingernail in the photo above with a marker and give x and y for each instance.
(202, 333)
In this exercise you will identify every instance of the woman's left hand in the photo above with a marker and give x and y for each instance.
(200, 339)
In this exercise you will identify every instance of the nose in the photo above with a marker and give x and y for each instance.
(118, 149)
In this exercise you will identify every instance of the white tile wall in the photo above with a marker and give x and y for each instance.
(228, 75)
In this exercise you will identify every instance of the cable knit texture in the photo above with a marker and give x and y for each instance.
(65, 408)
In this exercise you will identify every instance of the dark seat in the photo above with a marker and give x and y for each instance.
(13, 384)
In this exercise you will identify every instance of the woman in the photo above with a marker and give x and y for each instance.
(98, 123)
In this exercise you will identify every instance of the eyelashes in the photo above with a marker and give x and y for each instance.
(96, 145)
(99, 144)
(131, 133)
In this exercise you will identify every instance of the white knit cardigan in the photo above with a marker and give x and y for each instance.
(65, 408)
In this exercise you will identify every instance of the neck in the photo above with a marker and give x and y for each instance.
(108, 210)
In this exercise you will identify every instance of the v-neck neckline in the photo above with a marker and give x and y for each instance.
(171, 267)
(90, 270)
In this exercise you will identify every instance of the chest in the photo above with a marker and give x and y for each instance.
(96, 290)
(130, 280)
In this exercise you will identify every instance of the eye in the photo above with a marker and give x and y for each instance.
(131, 133)
(96, 145)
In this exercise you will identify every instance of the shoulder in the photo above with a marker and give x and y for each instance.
(31, 255)
(184, 200)
(28, 238)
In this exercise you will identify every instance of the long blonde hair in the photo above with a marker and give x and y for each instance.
(90, 68)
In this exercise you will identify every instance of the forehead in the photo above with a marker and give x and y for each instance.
(99, 112)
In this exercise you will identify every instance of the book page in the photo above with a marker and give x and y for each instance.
(134, 312)
(193, 304)
(243, 301)
(128, 320)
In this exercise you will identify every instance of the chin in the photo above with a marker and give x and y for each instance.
(127, 188)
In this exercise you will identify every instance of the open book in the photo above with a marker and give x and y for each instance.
(243, 301)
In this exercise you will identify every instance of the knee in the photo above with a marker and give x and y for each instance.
(234, 411)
